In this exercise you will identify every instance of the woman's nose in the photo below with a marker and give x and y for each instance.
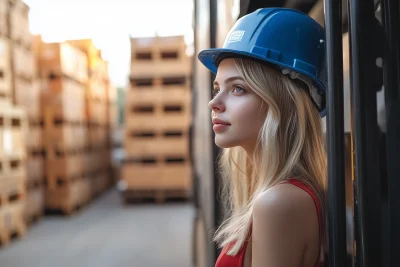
(216, 104)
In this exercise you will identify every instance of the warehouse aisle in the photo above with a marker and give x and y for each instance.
(106, 234)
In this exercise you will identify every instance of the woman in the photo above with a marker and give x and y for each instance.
(269, 97)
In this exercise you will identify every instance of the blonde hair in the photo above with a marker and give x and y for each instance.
(290, 145)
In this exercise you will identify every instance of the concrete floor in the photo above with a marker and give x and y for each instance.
(108, 234)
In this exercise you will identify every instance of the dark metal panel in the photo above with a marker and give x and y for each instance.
(365, 80)
(335, 130)
(391, 62)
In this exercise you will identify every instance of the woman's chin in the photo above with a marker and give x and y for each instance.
(223, 143)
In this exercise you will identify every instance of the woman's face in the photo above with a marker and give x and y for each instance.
(237, 112)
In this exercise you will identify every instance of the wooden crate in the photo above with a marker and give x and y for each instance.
(35, 170)
(98, 136)
(96, 90)
(34, 138)
(159, 56)
(157, 117)
(63, 137)
(99, 183)
(4, 12)
(19, 23)
(27, 95)
(147, 143)
(96, 159)
(63, 169)
(12, 187)
(12, 221)
(13, 127)
(157, 173)
(68, 197)
(58, 59)
(5, 70)
(34, 206)
(63, 99)
(23, 61)
(96, 112)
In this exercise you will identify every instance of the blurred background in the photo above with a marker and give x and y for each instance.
(107, 153)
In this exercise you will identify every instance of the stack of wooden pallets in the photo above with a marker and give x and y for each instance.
(158, 115)
(98, 158)
(15, 46)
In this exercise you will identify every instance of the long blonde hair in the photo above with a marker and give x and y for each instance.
(290, 145)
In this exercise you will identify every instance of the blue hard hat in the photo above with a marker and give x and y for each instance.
(285, 37)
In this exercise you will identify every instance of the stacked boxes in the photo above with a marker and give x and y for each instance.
(158, 114)
(98, 158)
(26, 94)
(15, 46)
(63, 71)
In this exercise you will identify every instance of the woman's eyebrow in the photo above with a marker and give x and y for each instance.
(230, 79)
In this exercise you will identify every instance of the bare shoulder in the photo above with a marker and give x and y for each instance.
(284, 200)
(284, 218)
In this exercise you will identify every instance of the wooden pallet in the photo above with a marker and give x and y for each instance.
(63, 169)
(34, 206)
(174, 94)
(157, 173)
(68, 198)
(148, 143)
(155, 195)
(159, 56)
(62, 59)
(12, 222)
(157, 117)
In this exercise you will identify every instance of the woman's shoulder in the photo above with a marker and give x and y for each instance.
(285, 202)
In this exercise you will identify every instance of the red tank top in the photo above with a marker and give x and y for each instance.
(225, 260)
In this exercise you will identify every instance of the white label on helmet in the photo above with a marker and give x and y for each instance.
(235, 36)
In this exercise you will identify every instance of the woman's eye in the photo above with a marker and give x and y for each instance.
(238, 89)
(215, 91)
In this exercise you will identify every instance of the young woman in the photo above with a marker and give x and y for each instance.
(269, 97)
